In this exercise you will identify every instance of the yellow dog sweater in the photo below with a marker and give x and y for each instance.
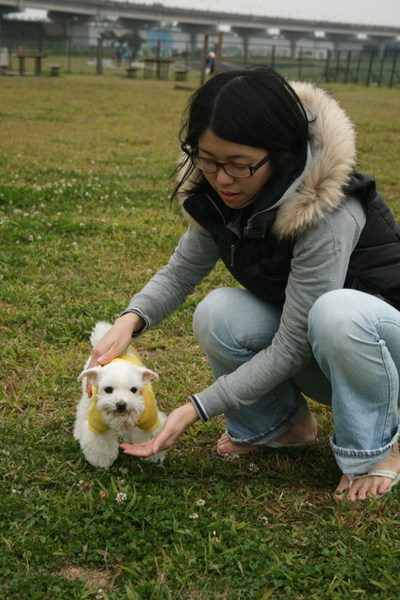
(148, 420)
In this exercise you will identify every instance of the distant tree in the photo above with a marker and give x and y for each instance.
(133, 41)
(109, 34)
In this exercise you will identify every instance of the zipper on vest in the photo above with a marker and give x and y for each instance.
(233, 249)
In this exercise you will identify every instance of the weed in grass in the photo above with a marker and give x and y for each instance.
(85, 220)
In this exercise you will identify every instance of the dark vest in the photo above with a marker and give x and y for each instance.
(375, 262)
(261, 263)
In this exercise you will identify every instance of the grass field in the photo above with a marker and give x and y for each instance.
(85, 220)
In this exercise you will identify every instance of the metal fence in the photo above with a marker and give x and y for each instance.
(370, 67)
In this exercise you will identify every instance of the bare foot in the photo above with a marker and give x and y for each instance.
(359, 489)
(301, 432)
(226, 446)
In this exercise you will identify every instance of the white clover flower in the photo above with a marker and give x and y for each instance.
(194, 516)
(214, 538)
(121, 497)
(254, 468)
(200, 502)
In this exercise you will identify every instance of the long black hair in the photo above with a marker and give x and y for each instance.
(253, 107)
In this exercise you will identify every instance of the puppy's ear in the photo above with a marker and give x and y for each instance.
(148, 375)
(93, 371)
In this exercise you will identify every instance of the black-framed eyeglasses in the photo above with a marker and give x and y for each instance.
(233, 169)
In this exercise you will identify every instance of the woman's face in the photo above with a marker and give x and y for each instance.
(235, 192)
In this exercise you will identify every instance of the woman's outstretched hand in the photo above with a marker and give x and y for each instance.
(177, 422)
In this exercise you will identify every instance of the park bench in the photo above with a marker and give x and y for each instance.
(131, 71)
(181, 74)
(37, 57)
(55, 70)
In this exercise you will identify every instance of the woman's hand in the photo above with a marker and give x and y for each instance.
(177, 422)
(115, 342)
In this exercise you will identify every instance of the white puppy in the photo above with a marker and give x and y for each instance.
(122, 406)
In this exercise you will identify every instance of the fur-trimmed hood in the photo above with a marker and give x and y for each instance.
(333, 158)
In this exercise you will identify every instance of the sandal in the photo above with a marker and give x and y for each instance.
(292, 445)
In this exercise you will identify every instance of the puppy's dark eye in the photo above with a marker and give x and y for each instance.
(133, 390)
(108, 390)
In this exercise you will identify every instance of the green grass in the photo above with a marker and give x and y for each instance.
(85, 220)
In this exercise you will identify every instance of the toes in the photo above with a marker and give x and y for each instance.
(355, 495)
(222, 442)
(383, 486)
(223, 439)
(343, 485)
(342, 489)
(368, 487)
(226, 446)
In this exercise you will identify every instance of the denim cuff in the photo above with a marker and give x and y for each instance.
(352, 461)
(263, 438)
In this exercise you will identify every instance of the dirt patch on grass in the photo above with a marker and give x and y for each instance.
(91, 577)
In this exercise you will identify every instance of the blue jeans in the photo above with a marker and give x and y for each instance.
(360, 378)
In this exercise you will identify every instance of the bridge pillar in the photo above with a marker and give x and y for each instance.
(246, 33)
(382, 42)
(193, 31)
(344, 42)
(293, 37)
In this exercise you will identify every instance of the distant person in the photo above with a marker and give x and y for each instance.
(268, 185)
(118, 55)
(210, 63)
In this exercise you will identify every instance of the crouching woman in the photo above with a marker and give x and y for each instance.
(268, 184)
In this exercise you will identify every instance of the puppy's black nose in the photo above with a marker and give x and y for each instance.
(121, 406)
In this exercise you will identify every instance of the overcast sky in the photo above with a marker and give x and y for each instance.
(378, 12)
(367, 12)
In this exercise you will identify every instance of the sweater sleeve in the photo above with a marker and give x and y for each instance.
(193, 258)
(320, 262)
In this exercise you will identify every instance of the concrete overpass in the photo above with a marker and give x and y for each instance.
(194, 22)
